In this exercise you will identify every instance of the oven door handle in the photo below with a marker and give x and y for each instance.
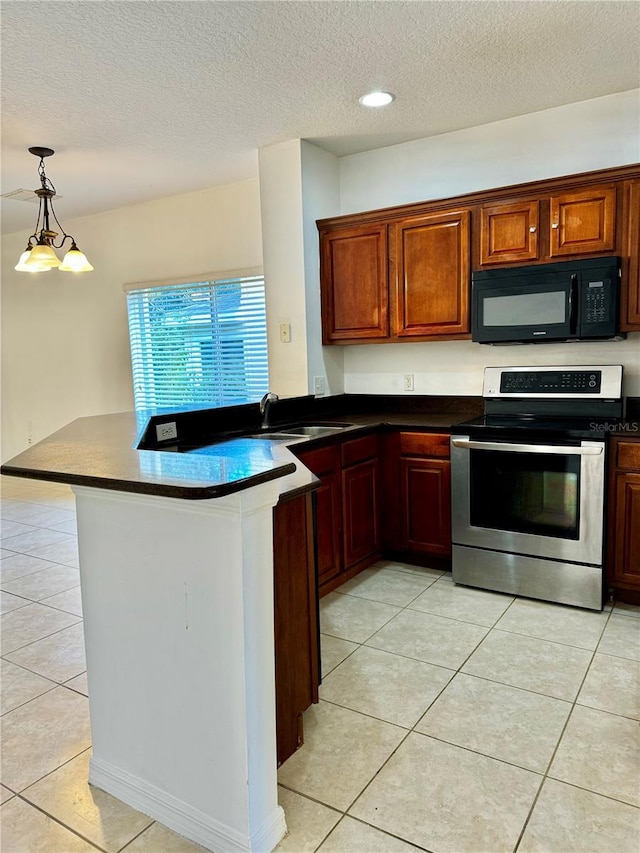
(529, 448)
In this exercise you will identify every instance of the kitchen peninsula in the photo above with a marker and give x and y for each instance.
(176, 562)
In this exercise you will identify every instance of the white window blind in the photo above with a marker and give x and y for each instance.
(200, 344)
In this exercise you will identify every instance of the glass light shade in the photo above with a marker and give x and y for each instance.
(75, 261)
(22, 267)
(42, 256)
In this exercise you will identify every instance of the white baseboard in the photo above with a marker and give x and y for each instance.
(182, 817)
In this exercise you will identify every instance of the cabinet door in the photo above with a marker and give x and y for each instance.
(295, 620)
(432, 275)
(583, 221)
(626, 564)
(630, 319)
(325, 464)
(426, 505)
(509, 232)
(360, 507)
(354, 283)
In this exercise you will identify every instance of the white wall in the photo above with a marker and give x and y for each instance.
(320, 197)
(298, 184)
(282, 238)
(576, 138)
(566, 140)
(65, 344)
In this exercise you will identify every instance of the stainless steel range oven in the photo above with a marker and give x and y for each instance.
(528, 483)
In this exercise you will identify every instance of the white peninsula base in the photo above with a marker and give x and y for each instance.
(178, 605)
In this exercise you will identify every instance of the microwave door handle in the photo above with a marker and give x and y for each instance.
(573, 305)
(588, 450)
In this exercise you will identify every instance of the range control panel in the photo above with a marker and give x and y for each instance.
(553, 383)
(538, 382)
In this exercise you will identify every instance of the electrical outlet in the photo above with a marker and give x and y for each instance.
(285, 333)
(166, 431)
(408, 382)
(318, 385)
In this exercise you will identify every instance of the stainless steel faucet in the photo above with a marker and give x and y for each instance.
(265, 403)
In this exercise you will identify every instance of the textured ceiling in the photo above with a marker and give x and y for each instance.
(143, 100)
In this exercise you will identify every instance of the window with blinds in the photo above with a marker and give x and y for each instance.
(199, 344)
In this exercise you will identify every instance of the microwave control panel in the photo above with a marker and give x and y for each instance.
(597, 301)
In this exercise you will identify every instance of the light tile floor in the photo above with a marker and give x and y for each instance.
(451, 720)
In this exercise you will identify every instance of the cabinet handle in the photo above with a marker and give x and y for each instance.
(555, 225)
(532, 230)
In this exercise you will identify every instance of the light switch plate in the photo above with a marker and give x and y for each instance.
(285, 333)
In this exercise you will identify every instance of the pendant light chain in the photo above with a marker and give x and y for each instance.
(47, 185)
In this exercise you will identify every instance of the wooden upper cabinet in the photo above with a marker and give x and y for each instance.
(509, 232)
(583, 221)
(354, 283)
(432, 274)
(630, 319)
(403, 273)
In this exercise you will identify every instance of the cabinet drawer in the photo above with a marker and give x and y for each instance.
(424, 444)
(359, 449)
(320, 461)
(628, 454)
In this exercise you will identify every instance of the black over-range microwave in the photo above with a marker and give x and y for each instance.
(567, 301)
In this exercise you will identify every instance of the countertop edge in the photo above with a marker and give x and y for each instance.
(167, 490)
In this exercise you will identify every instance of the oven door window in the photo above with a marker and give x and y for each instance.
(526, 492)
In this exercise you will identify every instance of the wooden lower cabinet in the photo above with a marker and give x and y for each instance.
(347, 512)
(426, 505)
(325, 464)
(360, 512)
(417, 497)
(295, 620)
(624, 516)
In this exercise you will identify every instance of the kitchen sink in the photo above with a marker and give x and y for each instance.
(313, 429)
(302, 431)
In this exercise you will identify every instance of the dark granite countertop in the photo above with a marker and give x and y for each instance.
(102, 451)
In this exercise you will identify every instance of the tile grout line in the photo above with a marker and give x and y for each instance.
(412, 730)
(46, 636)
(562, 734)
(573, 703)
(58, 821)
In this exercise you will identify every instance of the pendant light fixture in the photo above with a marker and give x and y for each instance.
(39, 256)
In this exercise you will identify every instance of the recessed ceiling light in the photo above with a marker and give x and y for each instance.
(377, 99)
